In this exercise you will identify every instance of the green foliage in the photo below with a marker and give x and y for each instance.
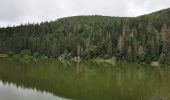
(96, 36)
(141, 55)
(25, 53)
(36, 54)
(10, 54)
(91, 52)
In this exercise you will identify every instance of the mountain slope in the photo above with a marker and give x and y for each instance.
(144, 38)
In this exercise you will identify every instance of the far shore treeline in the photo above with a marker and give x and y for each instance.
(135, 39)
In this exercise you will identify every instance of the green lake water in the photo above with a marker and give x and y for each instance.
(53, 80)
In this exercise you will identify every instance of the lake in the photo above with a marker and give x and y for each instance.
(53, 80)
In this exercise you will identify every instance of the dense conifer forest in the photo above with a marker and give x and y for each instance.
(144, 38)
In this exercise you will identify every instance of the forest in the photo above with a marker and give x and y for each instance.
(143, 38)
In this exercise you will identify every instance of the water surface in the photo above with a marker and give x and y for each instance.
(53, 80)
(9, 91)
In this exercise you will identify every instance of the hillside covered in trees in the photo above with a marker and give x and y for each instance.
(138, 39)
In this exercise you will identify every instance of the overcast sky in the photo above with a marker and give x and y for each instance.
(15, 12)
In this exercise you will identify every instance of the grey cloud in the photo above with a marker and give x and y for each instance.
(9, 10)
(140, 7)
(22, 11)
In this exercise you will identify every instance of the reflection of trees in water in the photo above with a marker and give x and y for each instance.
(79, 68)
(87, 80)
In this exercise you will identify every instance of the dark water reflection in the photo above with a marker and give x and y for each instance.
(84, 81)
